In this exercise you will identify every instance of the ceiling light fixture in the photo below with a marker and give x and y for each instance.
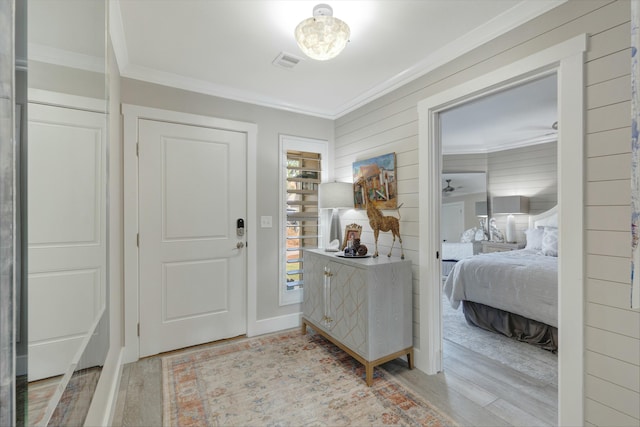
(322, 37)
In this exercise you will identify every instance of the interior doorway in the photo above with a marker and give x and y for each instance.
(513, 156)
(565, 59)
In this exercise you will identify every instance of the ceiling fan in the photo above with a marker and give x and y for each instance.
(448, 188)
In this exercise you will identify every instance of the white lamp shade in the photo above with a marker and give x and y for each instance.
(481, 208)
(335, 195)
(510, 205)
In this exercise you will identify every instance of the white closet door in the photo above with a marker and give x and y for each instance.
(452, 221)
(66, 191)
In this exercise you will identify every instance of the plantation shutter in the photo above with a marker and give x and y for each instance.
(302, 229)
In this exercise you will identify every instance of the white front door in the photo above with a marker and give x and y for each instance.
(67, 233)
(192, 191)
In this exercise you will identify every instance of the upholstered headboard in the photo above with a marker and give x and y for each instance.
(545, 219)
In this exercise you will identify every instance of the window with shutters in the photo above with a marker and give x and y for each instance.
(302, 227)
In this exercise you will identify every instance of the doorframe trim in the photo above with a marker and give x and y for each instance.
(131, 115)
(567, 60)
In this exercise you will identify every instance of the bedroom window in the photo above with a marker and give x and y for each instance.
(301, 226)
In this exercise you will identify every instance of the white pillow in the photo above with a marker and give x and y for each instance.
(550, 241)
(534, 238)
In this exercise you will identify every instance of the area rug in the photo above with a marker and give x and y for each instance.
(286, 379)
(526, 358)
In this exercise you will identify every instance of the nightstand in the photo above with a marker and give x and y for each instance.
(488, 247)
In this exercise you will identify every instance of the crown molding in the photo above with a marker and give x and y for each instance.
(200, 86)
(65, 58)
(486, 149)
(499, 25)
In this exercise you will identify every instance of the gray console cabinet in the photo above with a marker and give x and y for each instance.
(363, 305)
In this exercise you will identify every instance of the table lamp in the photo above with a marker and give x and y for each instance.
(510, 205)
(334, 196)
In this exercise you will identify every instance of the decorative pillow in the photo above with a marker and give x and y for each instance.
(550, 241)
(534, 238)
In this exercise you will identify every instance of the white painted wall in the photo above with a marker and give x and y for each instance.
(271, 123)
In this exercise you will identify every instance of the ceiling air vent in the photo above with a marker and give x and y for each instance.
(286, 60)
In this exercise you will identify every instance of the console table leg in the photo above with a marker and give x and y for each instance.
(369, 373)
(410, 358)
(303, 328)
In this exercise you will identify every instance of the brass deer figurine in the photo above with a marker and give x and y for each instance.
(380, 222)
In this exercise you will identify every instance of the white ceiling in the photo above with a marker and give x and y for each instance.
(226, 48)
(517, 117)
(464, 183)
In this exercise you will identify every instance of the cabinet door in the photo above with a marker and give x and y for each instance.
(313, 302)
(349, 306)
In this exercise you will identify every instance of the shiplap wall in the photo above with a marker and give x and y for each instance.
(528, 171)
(390, 124)
(612, 330)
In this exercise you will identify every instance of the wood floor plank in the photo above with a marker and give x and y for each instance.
(516, 416)
(501, 385)
(534, 397)
(444, 394)
(144, 394)
(118, 412)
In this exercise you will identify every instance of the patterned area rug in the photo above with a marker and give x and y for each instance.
(285, 379)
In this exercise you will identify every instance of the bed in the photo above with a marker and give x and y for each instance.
(516, 292)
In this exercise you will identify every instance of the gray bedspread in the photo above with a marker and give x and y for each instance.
(519, 282)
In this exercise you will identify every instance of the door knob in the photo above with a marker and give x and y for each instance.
(240, 245)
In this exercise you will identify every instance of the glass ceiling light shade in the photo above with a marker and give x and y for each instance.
(322, 37)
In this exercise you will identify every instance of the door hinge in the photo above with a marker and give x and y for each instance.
(437, 254)
(138, 329)
(138, 240)
(137, 149)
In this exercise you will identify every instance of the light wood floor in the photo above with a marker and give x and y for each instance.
(473, 390)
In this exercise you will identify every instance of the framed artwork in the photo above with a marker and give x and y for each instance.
(351, 232)
(380, 185)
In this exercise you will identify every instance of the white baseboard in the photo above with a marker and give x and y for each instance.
(274, 324)
(105, 397)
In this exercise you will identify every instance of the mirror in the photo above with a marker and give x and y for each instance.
(463, 219)
(464, 203)
(64, 207)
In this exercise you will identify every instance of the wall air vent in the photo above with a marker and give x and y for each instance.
(286, 60)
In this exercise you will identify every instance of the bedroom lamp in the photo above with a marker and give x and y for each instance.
(334, 196)
(510, 205)
(322, 36)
